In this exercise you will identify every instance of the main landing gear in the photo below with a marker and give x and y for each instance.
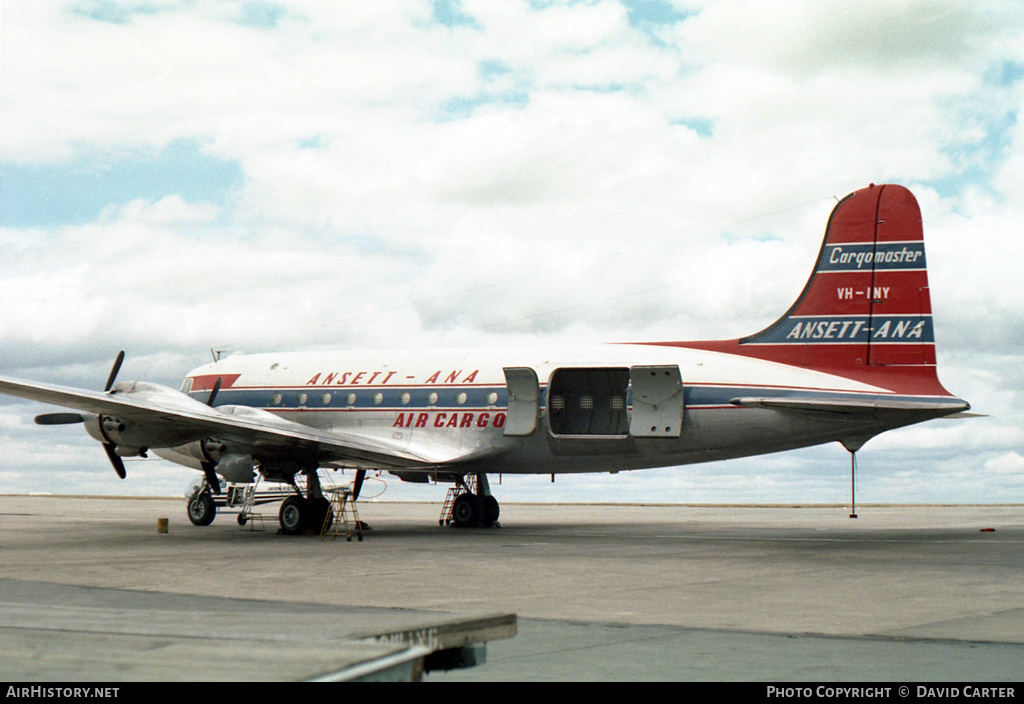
(299, 514)
(312, 513)
(470, 504)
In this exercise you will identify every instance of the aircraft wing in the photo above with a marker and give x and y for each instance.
(166, 412)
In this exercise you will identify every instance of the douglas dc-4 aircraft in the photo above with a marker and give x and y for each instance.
(852, 358)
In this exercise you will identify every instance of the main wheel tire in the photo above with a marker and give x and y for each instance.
(201, 510)
(467, 511)
(322, 515)
(491, 511)
(293, 515)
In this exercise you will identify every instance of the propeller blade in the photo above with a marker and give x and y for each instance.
(59, 418)
(114, 371)
(213, 394)
(115, 460)
(360, 476)
(211, 477)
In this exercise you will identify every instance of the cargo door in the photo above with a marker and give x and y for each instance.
(657, 401)
(523, 401)
(588, 401)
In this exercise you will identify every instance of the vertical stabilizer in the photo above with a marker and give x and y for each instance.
(866, 310)
(866, 302)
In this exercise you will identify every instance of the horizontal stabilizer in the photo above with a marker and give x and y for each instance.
(850, 405)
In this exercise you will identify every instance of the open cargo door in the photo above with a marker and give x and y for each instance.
(523, 401)
(657, 401)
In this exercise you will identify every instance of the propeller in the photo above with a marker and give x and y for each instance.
(59, 418)
(211, 476)
(357, 487)
(113, 372)
(213, 393)
(68, 418)
(109, 447)
(115, 459)
(208, 467)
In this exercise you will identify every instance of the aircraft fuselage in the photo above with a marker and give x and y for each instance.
(460, 400)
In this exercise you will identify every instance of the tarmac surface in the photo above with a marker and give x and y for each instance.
(90, 590)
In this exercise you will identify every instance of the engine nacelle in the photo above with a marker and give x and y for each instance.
(130, 438)
(236, 467)
(205, 450)
(111, 431)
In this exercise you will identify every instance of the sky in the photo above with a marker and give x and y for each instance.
(181, 176)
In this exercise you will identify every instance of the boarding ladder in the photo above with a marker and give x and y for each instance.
(344, 514)
(246, 516)
(468, 484)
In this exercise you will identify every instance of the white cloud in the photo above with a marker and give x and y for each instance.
(1010, 463)
(534, 172)
(806, 37)
(168, 210)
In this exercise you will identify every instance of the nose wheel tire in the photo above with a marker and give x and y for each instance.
(201, 510)
(293, 515)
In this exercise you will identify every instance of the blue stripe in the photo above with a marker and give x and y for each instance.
(390, 399)
(846, 329)
(882, 256)
(695, 396)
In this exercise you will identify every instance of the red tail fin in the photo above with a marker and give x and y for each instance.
(865, 311)
(867, 301)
